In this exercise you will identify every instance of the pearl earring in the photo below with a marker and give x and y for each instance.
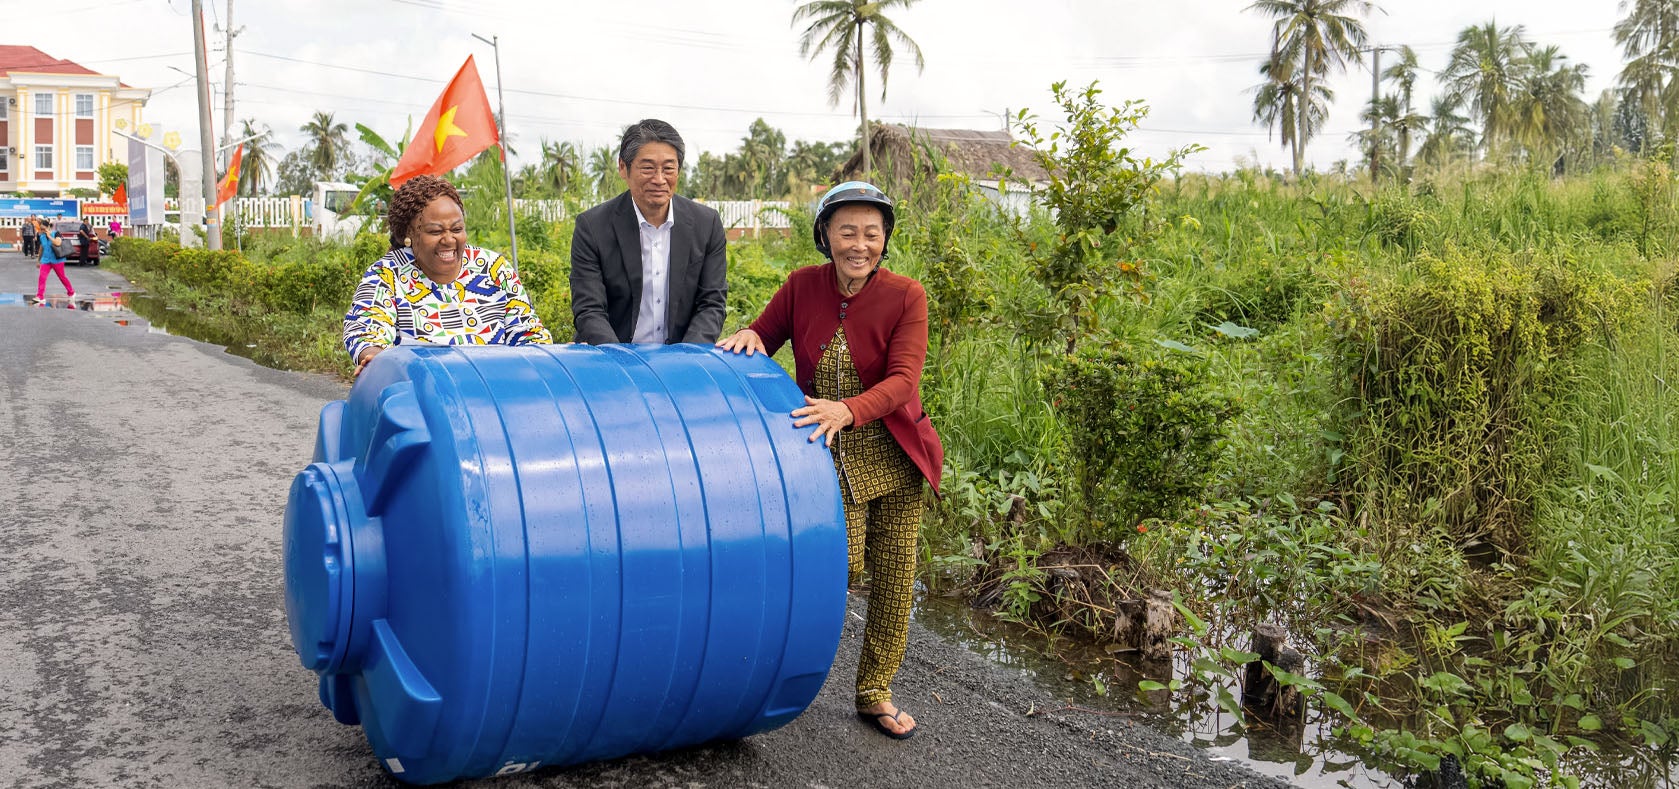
(407, 242)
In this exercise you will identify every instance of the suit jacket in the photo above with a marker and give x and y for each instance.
(886, 329)
(606, 273)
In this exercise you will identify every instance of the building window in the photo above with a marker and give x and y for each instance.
(5, 105)
(43, 103)
(43, 157)
(5, 160)
(84, 105)
(84, 157)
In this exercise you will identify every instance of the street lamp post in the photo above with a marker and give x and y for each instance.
(506, 171)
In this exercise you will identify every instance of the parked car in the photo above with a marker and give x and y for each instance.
(70, 231)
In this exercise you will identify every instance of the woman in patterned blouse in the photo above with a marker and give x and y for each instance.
(433, 287)
(859, 337)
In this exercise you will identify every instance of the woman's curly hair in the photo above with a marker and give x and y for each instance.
(411, 198)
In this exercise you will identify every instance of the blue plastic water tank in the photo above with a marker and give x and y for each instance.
(509, 558)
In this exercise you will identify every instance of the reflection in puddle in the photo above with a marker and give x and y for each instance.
(1089, 679)
(1307, 756)
(163, 319)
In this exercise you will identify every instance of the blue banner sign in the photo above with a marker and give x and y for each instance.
(38, 206)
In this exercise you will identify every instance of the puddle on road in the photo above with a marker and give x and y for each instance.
(155, 317)
(1311, 758)
(164, 319)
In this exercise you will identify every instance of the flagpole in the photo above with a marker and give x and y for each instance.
(506, 167)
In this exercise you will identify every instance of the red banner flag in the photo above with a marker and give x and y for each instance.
(457, 128)
(229, 185)
(121, 196)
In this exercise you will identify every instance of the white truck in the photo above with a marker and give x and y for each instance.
(328, 211)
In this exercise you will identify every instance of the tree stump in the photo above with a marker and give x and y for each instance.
(1146, 625)
(1261, 692)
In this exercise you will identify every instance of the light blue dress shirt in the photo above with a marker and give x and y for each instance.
(655, 276)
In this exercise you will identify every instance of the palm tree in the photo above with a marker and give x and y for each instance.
(561, 162)
(807, 163)
(1449, 135)
(1649, 37)
(328, 144)
(1602, 123)
(1316, 35)
(602, 167)
(763, 150)
(1487, 68)
(839, 25)
(1380, 139)
(257, 167)
(1404, 75)
(1549, 112)
(1277, 102)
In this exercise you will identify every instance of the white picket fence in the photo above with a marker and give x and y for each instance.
(276, 212)
(258, 212)
(753, 215)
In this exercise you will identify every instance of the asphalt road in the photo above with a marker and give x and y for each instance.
(142, 628)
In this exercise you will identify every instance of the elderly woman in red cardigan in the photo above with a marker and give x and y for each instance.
(859, 335)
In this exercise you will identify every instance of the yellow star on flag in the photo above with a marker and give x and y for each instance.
(446, 127)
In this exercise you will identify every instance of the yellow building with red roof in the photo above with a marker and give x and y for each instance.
(57, 122)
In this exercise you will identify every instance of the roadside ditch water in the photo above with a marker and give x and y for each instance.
(1090, 679)
(182, 323)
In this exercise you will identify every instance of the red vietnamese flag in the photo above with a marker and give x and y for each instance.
(121, 196)
(229, 185)
(457, 128)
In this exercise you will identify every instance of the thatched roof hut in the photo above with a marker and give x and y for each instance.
(901, 153)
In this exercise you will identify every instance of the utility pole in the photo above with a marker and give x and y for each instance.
(227, 93)
(506, 166)
(1375, 112)
(206, 134)
(227, 86)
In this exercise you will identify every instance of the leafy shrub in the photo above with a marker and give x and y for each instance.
(1450, 372)
(1263, 297)
(753, 279)
(1398, 219)
(1142, 433)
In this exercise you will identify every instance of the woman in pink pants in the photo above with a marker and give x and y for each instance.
(50, 260)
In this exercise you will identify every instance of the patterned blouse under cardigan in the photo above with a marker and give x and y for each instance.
(395, 302)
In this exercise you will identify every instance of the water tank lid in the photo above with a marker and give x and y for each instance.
(318, 568)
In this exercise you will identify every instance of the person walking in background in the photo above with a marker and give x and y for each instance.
(114, 229)
(51, 260)
(27, 232)
(90, 244)
(649, 265)
(859, 337)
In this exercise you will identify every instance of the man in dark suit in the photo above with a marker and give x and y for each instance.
(649, 265)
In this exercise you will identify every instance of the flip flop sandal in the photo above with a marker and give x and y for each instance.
(874, 720)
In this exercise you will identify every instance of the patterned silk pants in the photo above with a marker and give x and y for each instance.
(881, 534)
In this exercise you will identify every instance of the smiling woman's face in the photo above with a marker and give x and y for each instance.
(438, 237)
(856, 237)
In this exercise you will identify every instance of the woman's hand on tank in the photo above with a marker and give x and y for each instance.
(366, 356)
(829, 416)
(744, 340)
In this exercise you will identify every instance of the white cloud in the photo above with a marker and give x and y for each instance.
(580, 70)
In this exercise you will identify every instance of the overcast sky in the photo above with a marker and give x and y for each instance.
(580, 70)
